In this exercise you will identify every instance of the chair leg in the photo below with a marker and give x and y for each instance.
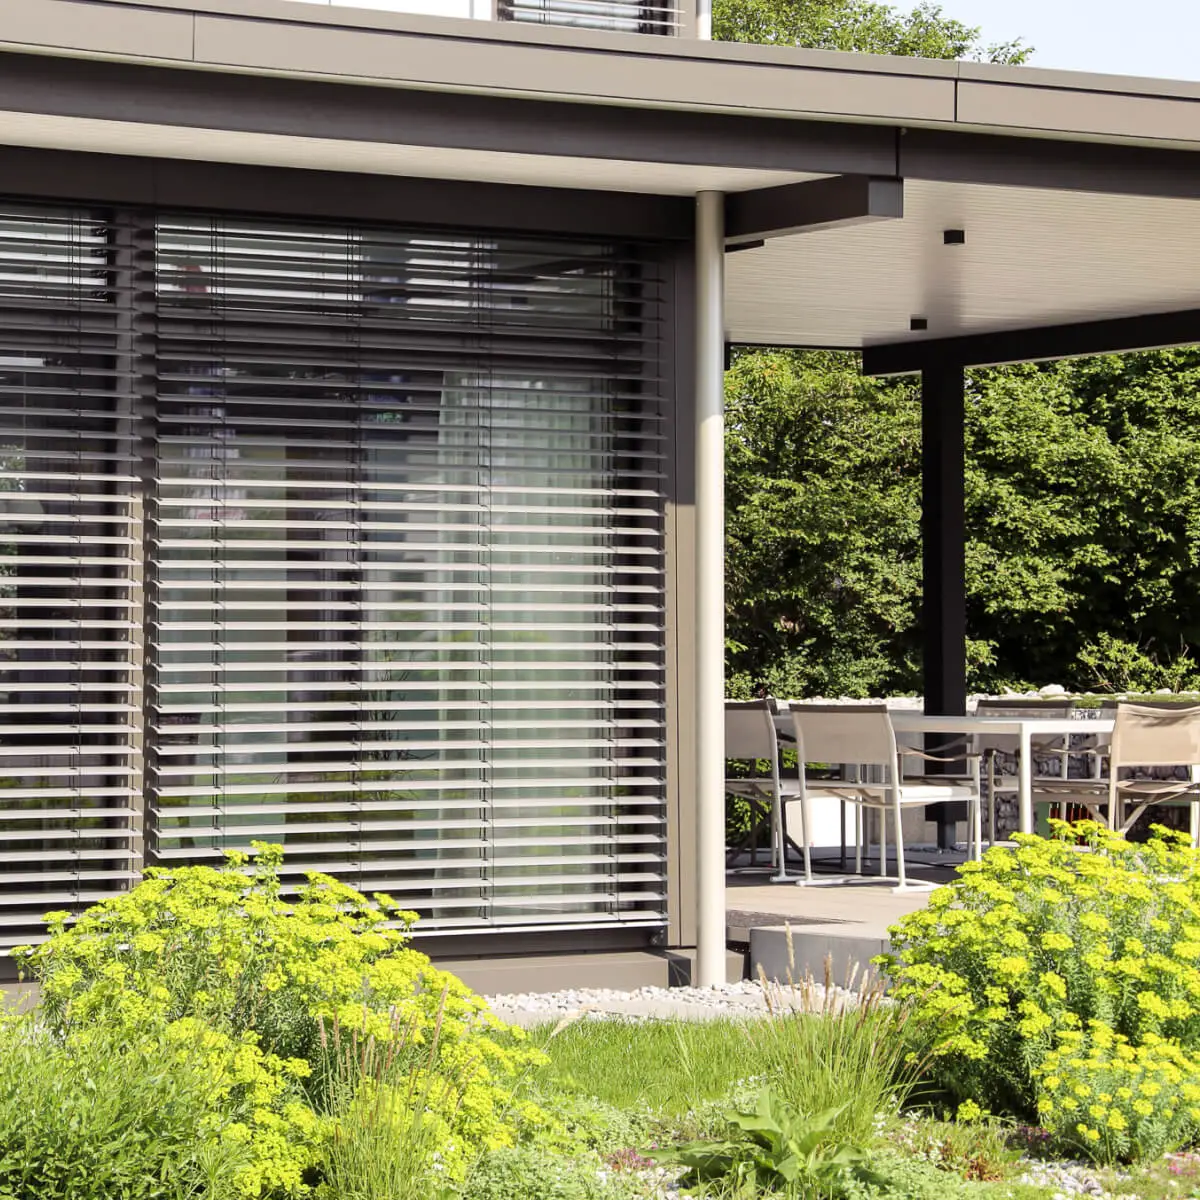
(991, 799)
(842, 815)
(804, 839)
(779, 838)
(899, 845)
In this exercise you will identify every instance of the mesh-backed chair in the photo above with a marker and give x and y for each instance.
(861, 735)
(1153, 760)
(999, 751)
(750, 735)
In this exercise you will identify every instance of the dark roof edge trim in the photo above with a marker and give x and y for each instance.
(1156, 331)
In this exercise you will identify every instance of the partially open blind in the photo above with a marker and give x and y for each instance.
(406, 558)
(70, 539)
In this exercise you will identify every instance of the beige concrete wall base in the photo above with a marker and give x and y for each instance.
(624, 971)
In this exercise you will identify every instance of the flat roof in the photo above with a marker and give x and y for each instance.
(522, 59)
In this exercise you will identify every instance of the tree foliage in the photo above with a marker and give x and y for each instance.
(1083, 524)
(856, 25)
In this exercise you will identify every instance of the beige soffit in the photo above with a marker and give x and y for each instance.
(380, 158)
(1031, 258)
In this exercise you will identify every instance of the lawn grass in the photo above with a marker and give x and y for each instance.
(668, 1066)
(668, 1071)
(681, 1075)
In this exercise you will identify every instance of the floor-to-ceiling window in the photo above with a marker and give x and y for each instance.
(402, 561)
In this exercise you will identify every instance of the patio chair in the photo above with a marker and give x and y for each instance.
(862, 735)
(1163, 738)
(998, 750)
(750, 735)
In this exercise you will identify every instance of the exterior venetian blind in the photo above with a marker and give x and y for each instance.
(405, 577)
(70, 540)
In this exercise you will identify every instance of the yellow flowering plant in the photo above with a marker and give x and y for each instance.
(1044, 938)
(1109, 1101)
(228, 965)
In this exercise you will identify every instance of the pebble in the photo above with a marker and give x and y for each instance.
(1067, 1178)
(744, 999)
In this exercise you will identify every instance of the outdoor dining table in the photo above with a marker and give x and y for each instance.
(1025, 729)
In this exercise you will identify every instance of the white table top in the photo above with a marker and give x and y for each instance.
(911, 721)
(915, 722)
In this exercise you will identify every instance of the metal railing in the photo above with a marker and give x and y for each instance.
(664, 18)
(620, 16)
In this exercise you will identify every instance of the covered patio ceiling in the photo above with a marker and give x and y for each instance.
(1027, 257)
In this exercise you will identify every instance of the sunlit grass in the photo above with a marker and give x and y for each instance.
(668, 1066)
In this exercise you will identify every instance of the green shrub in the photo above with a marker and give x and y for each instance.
(218, 957)
(584, 1123)
(902, 1177)
(103, 1118)
(772, 1148)
(533, 1173)
(1051, 937)
(973, 1147)
(1113, 1102)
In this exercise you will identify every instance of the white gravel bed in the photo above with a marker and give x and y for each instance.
(1067, 1179)
(744, 999)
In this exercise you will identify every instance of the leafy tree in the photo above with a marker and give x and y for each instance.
(1084, 520)
(1083, 524)
(857, 25)
(824, 559)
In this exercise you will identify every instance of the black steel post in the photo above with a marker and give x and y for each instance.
(943, 529)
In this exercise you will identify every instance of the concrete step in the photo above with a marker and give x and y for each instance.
(788, 953)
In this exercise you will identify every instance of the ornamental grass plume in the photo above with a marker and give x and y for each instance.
(852, 1049)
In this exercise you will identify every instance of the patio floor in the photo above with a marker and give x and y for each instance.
(790, 930)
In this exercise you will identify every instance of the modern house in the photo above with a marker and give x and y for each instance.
(360, 394)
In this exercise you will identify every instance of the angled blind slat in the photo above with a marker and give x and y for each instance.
(406, 535)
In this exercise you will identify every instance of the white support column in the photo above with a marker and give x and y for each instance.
(704, 20)
(710, 588)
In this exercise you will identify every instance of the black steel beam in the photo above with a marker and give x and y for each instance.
(943, 538)
(814, 204)
(1115, 336)
(950, 156)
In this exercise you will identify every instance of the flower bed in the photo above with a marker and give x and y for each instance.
(202, 1038)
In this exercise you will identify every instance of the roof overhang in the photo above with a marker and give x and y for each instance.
(1076, 196)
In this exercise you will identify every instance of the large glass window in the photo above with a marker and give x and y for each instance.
(408, 578)
(70, 542)
(349, 539)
